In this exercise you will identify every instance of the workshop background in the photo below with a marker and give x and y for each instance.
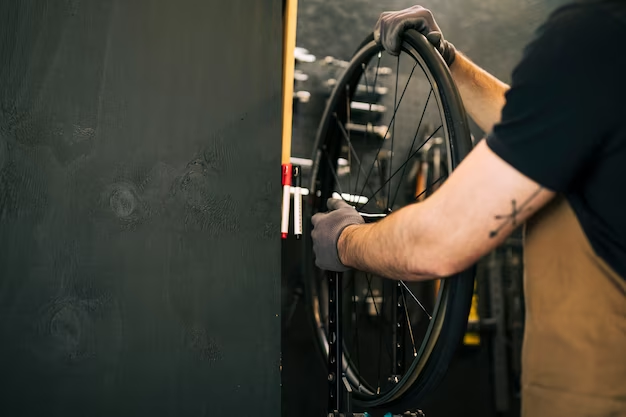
(482, 380)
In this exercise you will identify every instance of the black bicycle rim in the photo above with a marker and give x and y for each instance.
(451, 309)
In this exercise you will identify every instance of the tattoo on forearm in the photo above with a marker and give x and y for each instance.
(516, 210)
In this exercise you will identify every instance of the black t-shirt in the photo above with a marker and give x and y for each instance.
(564, 122)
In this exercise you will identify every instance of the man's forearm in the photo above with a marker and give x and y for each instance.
(403, 246)
(482, 93)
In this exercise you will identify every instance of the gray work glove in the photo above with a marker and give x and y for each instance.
(392, 25)
(327, 228)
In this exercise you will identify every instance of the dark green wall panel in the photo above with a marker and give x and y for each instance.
(139, 207)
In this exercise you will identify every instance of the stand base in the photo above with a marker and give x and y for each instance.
(417, 413)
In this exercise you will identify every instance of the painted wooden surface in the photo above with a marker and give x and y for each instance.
(139, 207)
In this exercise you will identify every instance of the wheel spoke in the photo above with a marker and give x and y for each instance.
(387, 131)
(401, 166)
(351, 147)
(369, 122)
(443, 177)
(393, 132)
(379, 313)
(416, 300)
(369, 287)
(334, 172)
(347, 135)
(356, 325)
(408, 320)
(380, 346)
(419, 125)
(382, 166)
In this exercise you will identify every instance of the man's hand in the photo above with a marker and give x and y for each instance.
(327, 227)
(391, 25)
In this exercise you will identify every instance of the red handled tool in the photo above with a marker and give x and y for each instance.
(284, 226)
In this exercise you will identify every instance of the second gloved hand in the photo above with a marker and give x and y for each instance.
(391, 25)
(327, 228)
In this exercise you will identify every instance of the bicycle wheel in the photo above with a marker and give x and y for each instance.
(398, 338)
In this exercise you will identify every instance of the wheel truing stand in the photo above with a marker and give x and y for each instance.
(336, 375)
(339, 389)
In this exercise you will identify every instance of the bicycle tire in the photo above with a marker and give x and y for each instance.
(457, 291)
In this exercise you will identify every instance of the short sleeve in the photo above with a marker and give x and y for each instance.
(560, 105)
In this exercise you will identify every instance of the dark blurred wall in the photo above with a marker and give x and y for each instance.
(491, 32)
(139, 208)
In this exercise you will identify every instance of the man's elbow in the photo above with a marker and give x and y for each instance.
(439, 267)
(455, 265)
(435, 268)
(446, 268)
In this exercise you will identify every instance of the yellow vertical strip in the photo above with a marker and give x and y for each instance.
(289, 46)
(473, 338)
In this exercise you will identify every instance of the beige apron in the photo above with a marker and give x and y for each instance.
(574, 356)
